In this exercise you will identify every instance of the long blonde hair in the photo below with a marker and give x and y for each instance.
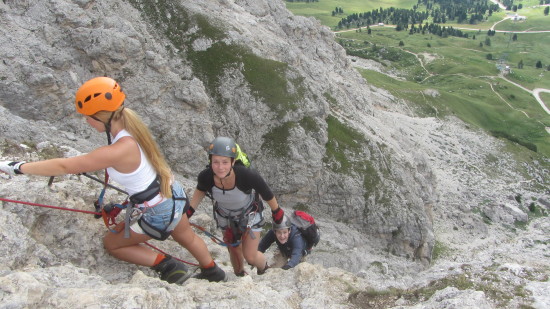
(135, 126)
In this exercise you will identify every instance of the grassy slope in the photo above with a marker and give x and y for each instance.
(458, 68)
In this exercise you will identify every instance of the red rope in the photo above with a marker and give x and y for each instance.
(87, 212)
(48, 206)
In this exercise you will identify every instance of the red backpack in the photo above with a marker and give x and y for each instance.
(307, 226)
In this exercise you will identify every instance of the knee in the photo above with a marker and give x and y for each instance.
(252, 257)
(185, 242)
(108, 245)
(186, 238)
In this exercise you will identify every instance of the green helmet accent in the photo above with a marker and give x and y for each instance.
(285, 224)
(223, 146)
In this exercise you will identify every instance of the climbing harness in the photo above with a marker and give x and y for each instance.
(132, 213)
(241, 223)
(146, 195)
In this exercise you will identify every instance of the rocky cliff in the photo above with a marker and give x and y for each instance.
(386, 186)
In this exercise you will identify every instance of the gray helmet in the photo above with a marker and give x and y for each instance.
(285, 224)
(223, 146)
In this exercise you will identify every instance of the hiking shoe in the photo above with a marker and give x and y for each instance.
(172, 270)
(212, 274)
(261, 272)
(241, 274)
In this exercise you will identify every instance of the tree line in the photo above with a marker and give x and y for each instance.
(440, 11)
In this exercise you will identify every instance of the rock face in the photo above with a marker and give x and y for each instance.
(194, 77)
(386, 187)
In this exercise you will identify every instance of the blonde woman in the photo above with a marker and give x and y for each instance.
(132, 159)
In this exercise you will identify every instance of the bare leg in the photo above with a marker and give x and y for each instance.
(129, 249)
(250, 250)
(237, 259)
(185, 236)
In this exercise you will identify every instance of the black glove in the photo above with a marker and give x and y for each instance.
(278, 215)
(286, 267)
(190, 211)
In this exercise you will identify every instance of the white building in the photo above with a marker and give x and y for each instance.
(517, 17)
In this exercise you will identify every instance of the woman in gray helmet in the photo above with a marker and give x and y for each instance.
(290, 242)
(236, 191)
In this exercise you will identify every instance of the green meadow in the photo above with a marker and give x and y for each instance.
(466, 74)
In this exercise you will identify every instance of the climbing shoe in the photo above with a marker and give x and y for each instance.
(212, 274)
(172, 270)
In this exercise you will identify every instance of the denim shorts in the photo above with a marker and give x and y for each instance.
(159, 215)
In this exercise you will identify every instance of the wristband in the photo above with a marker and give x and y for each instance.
(190, 211)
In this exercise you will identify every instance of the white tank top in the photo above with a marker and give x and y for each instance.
(137, 180)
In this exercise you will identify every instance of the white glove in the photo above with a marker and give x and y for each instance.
(11, 168)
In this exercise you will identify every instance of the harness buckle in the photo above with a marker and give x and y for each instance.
(251, 215)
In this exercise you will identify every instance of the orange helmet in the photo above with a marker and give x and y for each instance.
(99, 94)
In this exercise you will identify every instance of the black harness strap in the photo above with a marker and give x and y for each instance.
(147, 194)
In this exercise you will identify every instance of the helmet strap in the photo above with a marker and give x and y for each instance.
(107, 127)
(228, 173)
(221, 179)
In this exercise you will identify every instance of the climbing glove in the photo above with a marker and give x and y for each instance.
(11, 168)
(277, 215)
